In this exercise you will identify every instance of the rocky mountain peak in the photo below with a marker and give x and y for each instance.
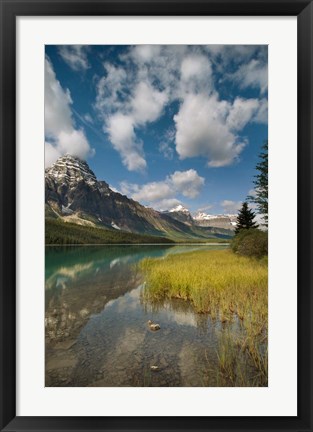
(179, 208)
(71, 170)
(181, 214)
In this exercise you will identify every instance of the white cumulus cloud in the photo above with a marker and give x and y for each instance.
(74, 143)
(262, 113)
(252, 74)
(145, 53)
(241, 112)
(188, 182)
(51, 154)
(125, 105)
(122, 135)
(110, 90)
(58, 115)
(207, 126)
(61, 134)
(75, 56)
(164, 193)
(202, 130)
(166, 149)
(147, 103)
(196, 73)
(231, 207)
(153, 191)
(148, 78)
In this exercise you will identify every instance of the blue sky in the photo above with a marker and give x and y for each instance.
(165, 125)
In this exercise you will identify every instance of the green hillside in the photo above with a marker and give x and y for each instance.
(58, 232)
(65, 233)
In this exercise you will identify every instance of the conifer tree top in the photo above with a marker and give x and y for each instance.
(245, 218)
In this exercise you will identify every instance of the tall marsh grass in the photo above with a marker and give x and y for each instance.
(228, 287)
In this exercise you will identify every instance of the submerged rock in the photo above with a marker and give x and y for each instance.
(153, 326)
(154, 368)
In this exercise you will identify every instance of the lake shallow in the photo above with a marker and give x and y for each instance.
(96, 323)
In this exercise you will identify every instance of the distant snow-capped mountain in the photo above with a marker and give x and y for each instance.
(181, 213)
(204, 216)
(228, 221)
(179, 208)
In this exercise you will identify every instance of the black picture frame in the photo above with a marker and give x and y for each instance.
(10, 9)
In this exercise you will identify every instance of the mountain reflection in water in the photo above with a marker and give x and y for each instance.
(96, 323)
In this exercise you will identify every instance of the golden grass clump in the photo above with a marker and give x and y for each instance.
(223, 284)
(210, 280)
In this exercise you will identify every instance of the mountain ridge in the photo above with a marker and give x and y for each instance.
(201, 219)
(73, 194)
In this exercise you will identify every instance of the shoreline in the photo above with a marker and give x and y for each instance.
(139, 244)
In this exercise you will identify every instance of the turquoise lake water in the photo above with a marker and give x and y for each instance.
(96, 323)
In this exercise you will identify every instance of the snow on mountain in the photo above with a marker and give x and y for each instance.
(227, 221)
(204, 216)
(70, 170)
(179, 208)
(181, 213)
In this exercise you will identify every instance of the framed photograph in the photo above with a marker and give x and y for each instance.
(156, 239)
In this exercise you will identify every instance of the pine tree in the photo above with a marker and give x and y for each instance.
(261, 185)
(245, 218)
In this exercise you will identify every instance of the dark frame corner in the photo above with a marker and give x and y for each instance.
(9, 10)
